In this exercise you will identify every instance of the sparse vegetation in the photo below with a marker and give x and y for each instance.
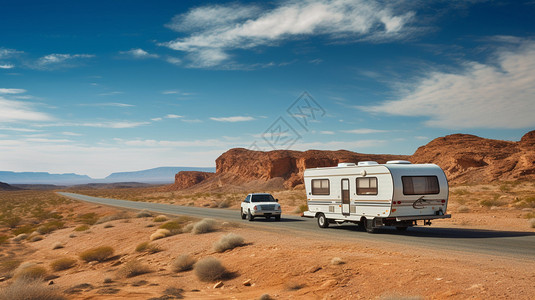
(294, 286)
(58, 245)
(30, 270)
(148, 247)
(301, 208)
(88, 218)
(209, 269)
(174, 227)
(133, 268)
(160, 234)
(83, 227)
(183, 263)
(99, 254)
(64, 263)
(160, 218)
(463, 209)
(532, 223)
(28, 289)
(144, 214)
(337, 261)
(228, 242)
(118, 216)
(204, 226)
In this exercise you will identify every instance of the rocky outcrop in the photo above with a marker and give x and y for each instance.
(472, 159)
(463, 157)
(186, 179)
(7, 187)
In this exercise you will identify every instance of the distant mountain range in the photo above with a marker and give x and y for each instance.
(156, 175)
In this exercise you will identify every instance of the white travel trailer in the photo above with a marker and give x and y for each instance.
(372, 195)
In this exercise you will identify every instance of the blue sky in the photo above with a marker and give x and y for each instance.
(95, 87)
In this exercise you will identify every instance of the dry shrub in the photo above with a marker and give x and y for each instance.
(265, 297)
(174, 227)
(8, 265)
(204, 226)
(82, 227)
(30, 270)
(188, 228)
(294, 286)
(148, 247)
(183, 263)
(337, 261)
(36, 238)
(532, 223)
(63, 264)
(160, 234)
(227, 242)
(144, 214)
(133, 268)
(118, 216)
(20, 237)
(463, 209)
(99, 254)
(26, 289)
(209, 269)
(160, 218)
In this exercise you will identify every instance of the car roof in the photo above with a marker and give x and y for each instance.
(254, 194)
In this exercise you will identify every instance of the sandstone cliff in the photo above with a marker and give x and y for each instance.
(465, 159)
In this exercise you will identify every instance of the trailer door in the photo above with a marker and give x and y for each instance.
(345, 197)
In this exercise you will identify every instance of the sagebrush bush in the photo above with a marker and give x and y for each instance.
(183, 263)
(227, 242)
(57, 245)
(133, 268)
(118, 216)
(187, 228)
(64, 263)
(148, 247)
(81, 227)
(36, 238)
(174, 227)
(160, 218)
(463, 209)
(30, 270)
(160, 234)
(99, 254)
(144, 214)
(337, 261)
(532, 223)
(27, 289)
(204, 226)
(209, 269)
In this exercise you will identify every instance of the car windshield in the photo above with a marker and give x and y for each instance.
(262, 198)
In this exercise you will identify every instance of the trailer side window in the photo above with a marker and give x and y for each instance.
(367, 186)
(420, 185)
(320, 187)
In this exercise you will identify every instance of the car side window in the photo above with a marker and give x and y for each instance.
(247, 199)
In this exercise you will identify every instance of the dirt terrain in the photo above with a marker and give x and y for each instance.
(283, 265)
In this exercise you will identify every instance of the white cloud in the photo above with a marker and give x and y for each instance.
(68, 133)
(113, 104)
(64, 60)
(7, 66)
(173, 116)
(169, 92)
(19, 129)
(499, 94)
(327, 132)
(110, 124)
(111, 93)
(173, 60)
(363, 131)
(7, 53)
(139, 53)
(17, 111)
(217, 29)
(156, 119)
(233, 119)
(12, 91)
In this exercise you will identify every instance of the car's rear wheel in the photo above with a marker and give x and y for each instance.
(322, 221)
(243, 216)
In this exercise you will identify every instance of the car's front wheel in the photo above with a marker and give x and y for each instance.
(250, 217)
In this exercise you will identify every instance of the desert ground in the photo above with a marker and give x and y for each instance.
(45, 240)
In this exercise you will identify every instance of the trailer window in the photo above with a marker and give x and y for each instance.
(367, 186)
(320, 187)
(420, 185)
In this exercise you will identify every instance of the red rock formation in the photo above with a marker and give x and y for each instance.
(186, 179)
(464, 158)
(471, 159)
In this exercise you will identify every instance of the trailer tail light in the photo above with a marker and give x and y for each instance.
(443, 201)
(399, 202)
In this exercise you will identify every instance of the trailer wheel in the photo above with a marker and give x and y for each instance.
(402, 228)
(368, 225)
(322, 221)
(243, 216)
(249, 216)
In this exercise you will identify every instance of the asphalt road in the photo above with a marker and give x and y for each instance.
(500, 243)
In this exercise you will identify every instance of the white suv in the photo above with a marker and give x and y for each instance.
(260, 205)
